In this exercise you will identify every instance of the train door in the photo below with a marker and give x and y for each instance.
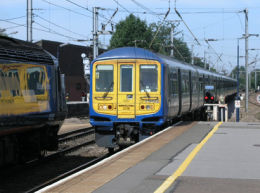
(173, 91)
(185, 91)
(126, 100)
(190, 91)
(180, 91)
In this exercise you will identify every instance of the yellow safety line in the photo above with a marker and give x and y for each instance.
(170, 180)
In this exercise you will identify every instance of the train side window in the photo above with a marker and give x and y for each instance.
(36, 80)
(104, 78)
(13, 82)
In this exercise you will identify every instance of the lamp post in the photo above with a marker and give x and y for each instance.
(86, 70)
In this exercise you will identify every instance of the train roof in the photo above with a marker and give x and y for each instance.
(140, 53)
(21, 51)
(127, 53)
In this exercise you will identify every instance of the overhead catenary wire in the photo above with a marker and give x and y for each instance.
(116, 1)
(187, 26)
(85, 8)
(145, 8)
(47, 31)
(159, 27)
(68, 30)
(78, 13)
(78, 5)
(54, 32)
(110, 20)
(14, 18)
(219, 56)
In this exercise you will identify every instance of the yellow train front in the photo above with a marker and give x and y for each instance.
(126, 94)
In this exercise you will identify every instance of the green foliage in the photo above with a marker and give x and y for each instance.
(242, 76)
(131, 32)
(255, 76)
(134, 32)
(198, 62)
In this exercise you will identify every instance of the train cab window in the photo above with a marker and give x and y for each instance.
(13, 82)
(148, 78)
(126, 78)
(35, 80)
(104, 78)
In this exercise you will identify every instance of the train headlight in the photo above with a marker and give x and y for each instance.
(105, 106)
(149, 107)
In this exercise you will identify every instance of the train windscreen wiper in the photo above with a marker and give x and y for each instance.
(106, 93)
(147, 93)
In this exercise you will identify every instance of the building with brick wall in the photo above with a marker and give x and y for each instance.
(71, 64)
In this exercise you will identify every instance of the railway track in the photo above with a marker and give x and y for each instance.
(68, 173)
(72, 141)
(76, 134)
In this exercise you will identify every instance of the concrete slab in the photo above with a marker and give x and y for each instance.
(230, 153)
(214, 185)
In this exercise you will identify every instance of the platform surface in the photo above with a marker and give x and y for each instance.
(228, 162)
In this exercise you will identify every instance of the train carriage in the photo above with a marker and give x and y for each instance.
(32, 101)
(135, 92)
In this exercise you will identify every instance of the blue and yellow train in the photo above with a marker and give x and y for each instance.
(134, 92)
(32, 101)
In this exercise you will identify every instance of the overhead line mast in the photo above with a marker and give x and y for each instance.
(96, 33)
(29, 20)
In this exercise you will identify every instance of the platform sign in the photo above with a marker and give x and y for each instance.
(258, 98)
(209, 87)
(237, 103)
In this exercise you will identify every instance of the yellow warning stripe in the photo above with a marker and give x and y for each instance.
(170, 180)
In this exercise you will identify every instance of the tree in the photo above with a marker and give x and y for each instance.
(131, 32)
(162, 43)
(198, 62)
(242, 76)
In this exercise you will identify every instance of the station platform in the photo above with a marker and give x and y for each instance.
(196, 157)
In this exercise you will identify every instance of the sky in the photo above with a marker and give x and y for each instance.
(69, 21)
